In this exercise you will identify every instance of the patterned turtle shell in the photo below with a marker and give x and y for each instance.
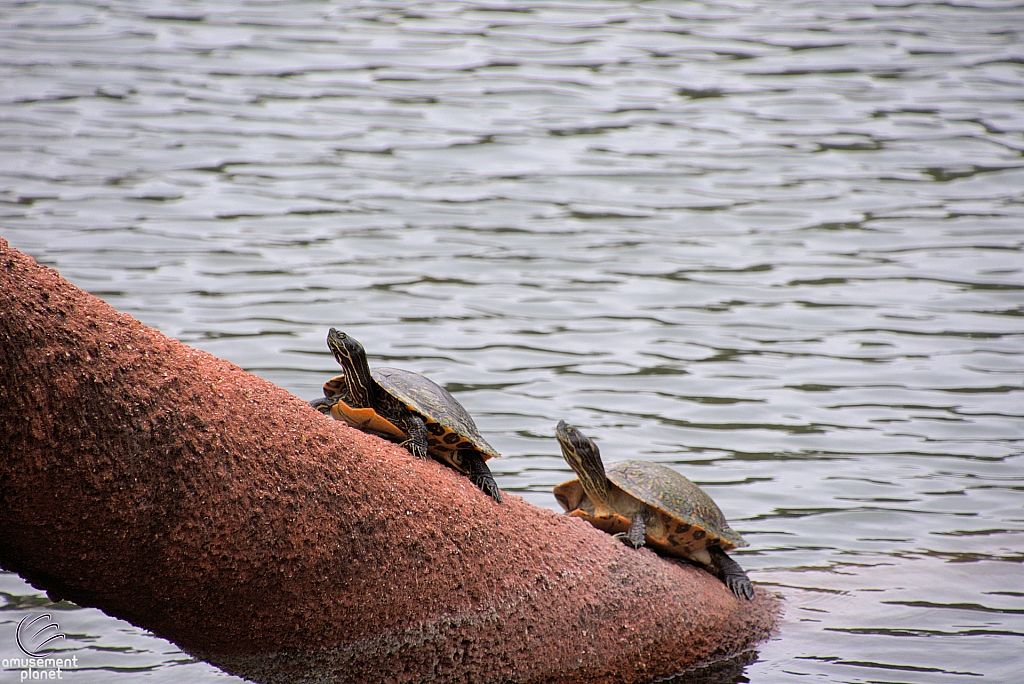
(691, 518)
(686, 519)
(449, 425)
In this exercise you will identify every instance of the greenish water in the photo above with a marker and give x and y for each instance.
(776, 246)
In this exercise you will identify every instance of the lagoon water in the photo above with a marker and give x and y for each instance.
(778, 246)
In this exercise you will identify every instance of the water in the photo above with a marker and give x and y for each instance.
(777, 246)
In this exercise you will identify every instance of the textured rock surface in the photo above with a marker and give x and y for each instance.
(176, 491)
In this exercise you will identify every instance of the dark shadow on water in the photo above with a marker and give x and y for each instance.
(728, 671)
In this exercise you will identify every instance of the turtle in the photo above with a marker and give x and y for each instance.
(648, 503)
(408, 408)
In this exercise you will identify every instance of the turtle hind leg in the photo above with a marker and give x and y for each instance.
(730, 572)
(637, 531)
(480, 474)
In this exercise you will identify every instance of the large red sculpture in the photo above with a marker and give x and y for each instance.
(176, 491)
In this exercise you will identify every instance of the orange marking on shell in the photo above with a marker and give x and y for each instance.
(612, 524)
(365, 419)
(682, 538)
(334, 385)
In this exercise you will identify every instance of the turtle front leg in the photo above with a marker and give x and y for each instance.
(637, 531)
(416, 443)
(480, 474)
(730, 572)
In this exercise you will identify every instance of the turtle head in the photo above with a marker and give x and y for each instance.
(352, 357)
(346, 349)
(580, 452)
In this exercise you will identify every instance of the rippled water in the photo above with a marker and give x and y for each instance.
(777, 245)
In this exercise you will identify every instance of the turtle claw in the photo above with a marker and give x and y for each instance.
(637, 535)
(489, 487)
(417, 431)
(410, 446)
(731, 574)
(624, 538)
(480, 474)
(741, 586)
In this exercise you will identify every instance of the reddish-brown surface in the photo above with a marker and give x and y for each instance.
(174, 490)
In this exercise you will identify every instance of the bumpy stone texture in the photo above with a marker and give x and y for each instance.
(178, 492)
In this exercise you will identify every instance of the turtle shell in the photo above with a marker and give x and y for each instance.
(449, 425)
(686, 519)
